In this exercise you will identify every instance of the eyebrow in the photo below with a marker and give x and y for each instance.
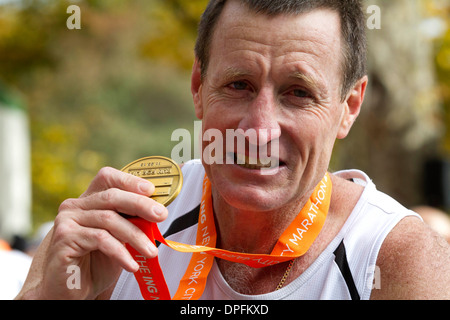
(232, 73)
(308, 80)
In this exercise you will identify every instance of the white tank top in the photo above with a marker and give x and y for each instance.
(345, 270)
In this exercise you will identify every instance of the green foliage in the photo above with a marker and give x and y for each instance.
(175, 32)
(99, 96)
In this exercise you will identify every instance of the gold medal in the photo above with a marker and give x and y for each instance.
(163, 172)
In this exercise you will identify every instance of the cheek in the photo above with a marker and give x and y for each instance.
(312, 134)
(220, 114)
(213, 136)
(214, 121)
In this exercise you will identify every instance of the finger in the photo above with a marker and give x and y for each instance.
(112, 178)
(122, 202)
(73, 241)
(120, 228)
(91, 240)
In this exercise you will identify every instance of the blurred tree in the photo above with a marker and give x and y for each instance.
(401, 125)
(173, 38)
(94, 98)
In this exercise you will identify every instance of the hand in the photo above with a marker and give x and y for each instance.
(90, 233)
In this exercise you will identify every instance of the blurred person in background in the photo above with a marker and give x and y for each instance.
(437, 219)
(15, 261)
(14, 266)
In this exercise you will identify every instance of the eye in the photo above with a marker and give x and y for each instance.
(300, 93)
(298, 97)
(239, 85)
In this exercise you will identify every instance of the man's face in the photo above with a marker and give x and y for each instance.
(280, 76)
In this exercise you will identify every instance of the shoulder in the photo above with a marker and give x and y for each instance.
(414, 263)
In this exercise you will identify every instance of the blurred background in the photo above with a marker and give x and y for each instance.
(73, 101)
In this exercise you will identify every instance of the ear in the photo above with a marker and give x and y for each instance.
(352, 107)
(196, 88)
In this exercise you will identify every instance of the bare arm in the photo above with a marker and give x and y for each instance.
(414, 264)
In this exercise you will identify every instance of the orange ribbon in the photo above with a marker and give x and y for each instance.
(293, 243)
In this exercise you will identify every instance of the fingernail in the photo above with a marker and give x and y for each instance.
(153, 250)
(134, 265)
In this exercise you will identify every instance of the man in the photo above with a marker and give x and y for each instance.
(294, 72)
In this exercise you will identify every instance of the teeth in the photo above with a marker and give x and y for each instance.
(252, 163)
(251, 160)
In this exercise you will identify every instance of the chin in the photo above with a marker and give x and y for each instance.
(251, 199)
(248, 190)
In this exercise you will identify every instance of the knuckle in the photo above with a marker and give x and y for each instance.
(59, 219)
(105, 173)
(67, 204)
(62, 227)
(109, 195)
(106, 217)
(125, 179)
(101, 235)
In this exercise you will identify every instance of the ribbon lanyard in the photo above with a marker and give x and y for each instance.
(293, 243)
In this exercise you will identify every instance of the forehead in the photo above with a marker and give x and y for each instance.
(312, 38)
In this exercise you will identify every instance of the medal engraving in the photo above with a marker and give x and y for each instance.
(163, 172)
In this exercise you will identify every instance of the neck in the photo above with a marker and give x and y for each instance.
(251, 231)
(257, 232)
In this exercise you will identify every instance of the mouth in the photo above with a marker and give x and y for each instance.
(258, 163)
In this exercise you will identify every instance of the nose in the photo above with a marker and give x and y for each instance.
(261, 116)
